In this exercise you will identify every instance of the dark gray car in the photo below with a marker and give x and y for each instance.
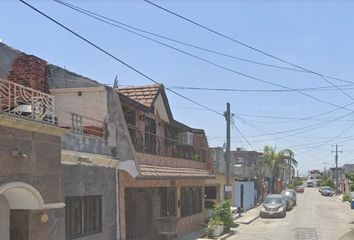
(291, 193)
(273, 206)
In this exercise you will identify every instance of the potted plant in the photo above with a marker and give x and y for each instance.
(215, 227)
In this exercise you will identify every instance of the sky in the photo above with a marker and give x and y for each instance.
(316, 35)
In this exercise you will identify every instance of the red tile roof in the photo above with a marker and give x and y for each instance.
(144, 95)
(150, 171)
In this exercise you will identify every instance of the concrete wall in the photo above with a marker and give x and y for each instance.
(4, 219)
(81, 180)
(84, 143)
(88, 102)
(118, 134)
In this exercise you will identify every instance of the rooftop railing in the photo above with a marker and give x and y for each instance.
(18, 100)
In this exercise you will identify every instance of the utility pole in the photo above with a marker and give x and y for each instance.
(336, 160)
(227, 116)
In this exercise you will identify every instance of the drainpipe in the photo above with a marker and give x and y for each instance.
(117, 205)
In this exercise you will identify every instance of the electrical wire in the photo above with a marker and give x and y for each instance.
(189, 44)
(243, 136)
(246, 45)
(212, 63)
(116, 58)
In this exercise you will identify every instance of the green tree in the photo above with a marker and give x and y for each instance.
(277, 161)
(325, 181)
(351, 178)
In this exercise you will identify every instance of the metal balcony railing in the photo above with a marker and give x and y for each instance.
(26, 102)
(151, 143)
(88, 126)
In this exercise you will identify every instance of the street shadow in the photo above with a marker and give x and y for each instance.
(348, 236)
(352, 222)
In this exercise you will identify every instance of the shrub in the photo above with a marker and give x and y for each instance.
(347, 198)
(222, 215)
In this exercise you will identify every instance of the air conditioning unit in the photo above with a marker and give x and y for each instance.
(185, 138)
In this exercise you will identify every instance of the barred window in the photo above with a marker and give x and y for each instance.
(83, 216)
(191, 201)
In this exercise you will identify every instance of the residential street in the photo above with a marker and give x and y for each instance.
(315, 217)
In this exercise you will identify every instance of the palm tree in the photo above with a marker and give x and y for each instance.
(277, 161)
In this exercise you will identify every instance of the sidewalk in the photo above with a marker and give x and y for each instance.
(340, 198)
(249, 216)
(197, 234)
(246, 218)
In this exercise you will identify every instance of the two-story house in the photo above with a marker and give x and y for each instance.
(166, 195)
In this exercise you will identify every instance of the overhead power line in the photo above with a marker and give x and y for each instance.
(91, 14)
(211, 63)
(246, 45)
(243, 136)
(116, 58)
(310, 89)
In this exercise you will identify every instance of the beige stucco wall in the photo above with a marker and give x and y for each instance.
(88, 102)
(160, 109)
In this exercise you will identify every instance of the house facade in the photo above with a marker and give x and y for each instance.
(31, 194)
(100, 162)
(89, 140)
(165, 195)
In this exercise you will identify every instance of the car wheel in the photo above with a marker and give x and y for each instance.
(284, 214)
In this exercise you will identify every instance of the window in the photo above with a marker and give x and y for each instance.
(191, 201)
(83, 216)
(168, 201)
(150, 136)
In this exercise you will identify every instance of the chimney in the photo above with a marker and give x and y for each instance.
(29, 71)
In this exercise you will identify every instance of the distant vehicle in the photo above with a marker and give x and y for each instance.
(309, 184)
(300, 189)
(327, 191)
(273, 206)
(291, 193)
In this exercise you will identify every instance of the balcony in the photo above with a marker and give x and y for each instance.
(150, 143)
(25, 102)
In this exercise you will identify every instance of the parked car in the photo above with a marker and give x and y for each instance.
(289, 204)
(320, 189)
(291, 193)
(327, 191)
(273, 206)
(300, 189)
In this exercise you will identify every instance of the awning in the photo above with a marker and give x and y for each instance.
(151, 171)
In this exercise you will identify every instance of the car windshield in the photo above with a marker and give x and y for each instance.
(273, 200)
(287, 197)
(327, 189)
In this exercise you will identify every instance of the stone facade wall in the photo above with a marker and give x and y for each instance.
(190, 223)
(41, 168)
(125, 181)
(81, 180)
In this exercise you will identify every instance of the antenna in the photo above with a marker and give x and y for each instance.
(115, 84)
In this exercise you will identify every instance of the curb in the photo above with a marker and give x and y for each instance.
(346, 203)
(252, 220)
(227, 235)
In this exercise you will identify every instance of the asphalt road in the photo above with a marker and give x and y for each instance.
(314, 218)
